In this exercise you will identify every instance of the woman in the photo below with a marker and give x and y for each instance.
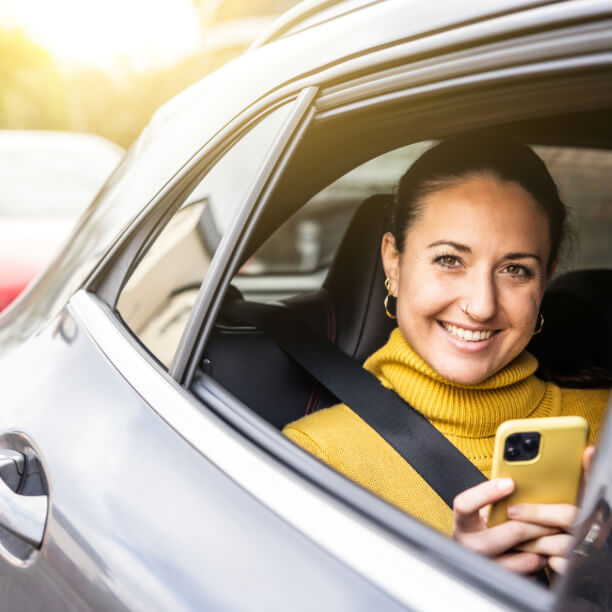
(475, 233)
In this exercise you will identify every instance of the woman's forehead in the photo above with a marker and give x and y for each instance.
(482, 210)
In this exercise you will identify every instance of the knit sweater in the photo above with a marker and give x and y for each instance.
(468, 415)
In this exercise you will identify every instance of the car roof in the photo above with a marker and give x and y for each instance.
(224, 94)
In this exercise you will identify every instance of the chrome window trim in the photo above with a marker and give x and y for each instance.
(367, 548)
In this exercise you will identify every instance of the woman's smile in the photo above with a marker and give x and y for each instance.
(468, 334)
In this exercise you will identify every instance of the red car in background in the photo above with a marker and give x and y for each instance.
(47, 179)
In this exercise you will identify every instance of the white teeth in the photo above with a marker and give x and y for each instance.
(468, 334)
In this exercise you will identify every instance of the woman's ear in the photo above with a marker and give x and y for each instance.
(390, 260)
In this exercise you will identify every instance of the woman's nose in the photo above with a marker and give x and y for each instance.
(481, 297)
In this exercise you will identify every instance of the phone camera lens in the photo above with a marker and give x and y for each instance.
(529, 444)
(511, 451)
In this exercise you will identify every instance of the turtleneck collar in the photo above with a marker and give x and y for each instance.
(470, 411)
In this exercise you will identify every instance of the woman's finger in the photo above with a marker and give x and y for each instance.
(502, 538)
(558, 545)
(467, 505)
(522, 562)
(558, 564)
(562, 516)
(588, 457)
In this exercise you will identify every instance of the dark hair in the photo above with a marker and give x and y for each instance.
(458, 158)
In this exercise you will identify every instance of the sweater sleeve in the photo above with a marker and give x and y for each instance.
(301, 438)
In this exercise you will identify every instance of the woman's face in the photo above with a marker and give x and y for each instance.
(481, 244)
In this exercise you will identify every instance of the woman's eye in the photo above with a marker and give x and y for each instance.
(518, 270)
(448, 261)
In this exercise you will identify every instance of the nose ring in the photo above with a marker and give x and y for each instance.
(465, 310)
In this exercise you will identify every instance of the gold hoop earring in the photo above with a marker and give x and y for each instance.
(386, 302)
(540, 325)
(465, 310)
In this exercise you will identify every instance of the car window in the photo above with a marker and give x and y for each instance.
(157, 298)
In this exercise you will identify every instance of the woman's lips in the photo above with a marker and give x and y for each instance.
(468, 339)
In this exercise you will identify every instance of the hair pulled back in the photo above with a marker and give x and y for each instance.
(456, 159)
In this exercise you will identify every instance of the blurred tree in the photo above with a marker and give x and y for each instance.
(31, 89)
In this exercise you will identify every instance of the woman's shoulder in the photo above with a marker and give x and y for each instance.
(588, 403)
(325, 432)
(323, 423)
(576, 398)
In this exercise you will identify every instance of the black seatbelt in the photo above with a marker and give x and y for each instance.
(447, 471)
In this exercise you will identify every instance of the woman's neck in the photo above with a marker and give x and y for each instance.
(463, 410)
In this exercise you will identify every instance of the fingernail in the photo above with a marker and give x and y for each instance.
(513, 511)
(505, 484)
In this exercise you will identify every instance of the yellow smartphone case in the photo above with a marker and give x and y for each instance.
(553, 475)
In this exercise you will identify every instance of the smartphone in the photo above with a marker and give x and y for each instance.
(544, 458)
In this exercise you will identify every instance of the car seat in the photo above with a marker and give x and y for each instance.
(575, 346)
(347, 310)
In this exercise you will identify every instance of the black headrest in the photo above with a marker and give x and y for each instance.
(356, 282)
(575, 346)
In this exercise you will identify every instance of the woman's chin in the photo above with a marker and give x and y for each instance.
(462, 373)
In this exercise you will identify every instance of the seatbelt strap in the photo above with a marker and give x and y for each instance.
(447, 471)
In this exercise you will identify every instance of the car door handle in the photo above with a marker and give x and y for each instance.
(23, 515)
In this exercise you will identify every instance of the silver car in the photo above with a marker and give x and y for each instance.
(141, 460)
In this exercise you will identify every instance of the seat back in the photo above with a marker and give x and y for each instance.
(575, 346)
(348, 310)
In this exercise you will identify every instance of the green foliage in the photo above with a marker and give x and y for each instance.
(118, 105)
(31, 89)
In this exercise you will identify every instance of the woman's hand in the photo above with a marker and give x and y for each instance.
(498, 543)
(513, 544)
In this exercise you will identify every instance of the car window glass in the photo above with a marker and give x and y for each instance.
(157, 299)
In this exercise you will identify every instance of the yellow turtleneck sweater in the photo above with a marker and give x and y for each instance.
(468, 415)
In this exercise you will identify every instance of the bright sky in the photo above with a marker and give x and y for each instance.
(100, 32)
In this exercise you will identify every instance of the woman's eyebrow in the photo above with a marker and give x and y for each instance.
(522, 256)
(456, 245)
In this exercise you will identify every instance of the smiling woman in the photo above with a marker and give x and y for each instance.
(476, 227)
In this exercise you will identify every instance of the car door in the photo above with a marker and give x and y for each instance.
(109, 503)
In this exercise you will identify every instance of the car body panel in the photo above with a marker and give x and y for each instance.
(122, 488)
